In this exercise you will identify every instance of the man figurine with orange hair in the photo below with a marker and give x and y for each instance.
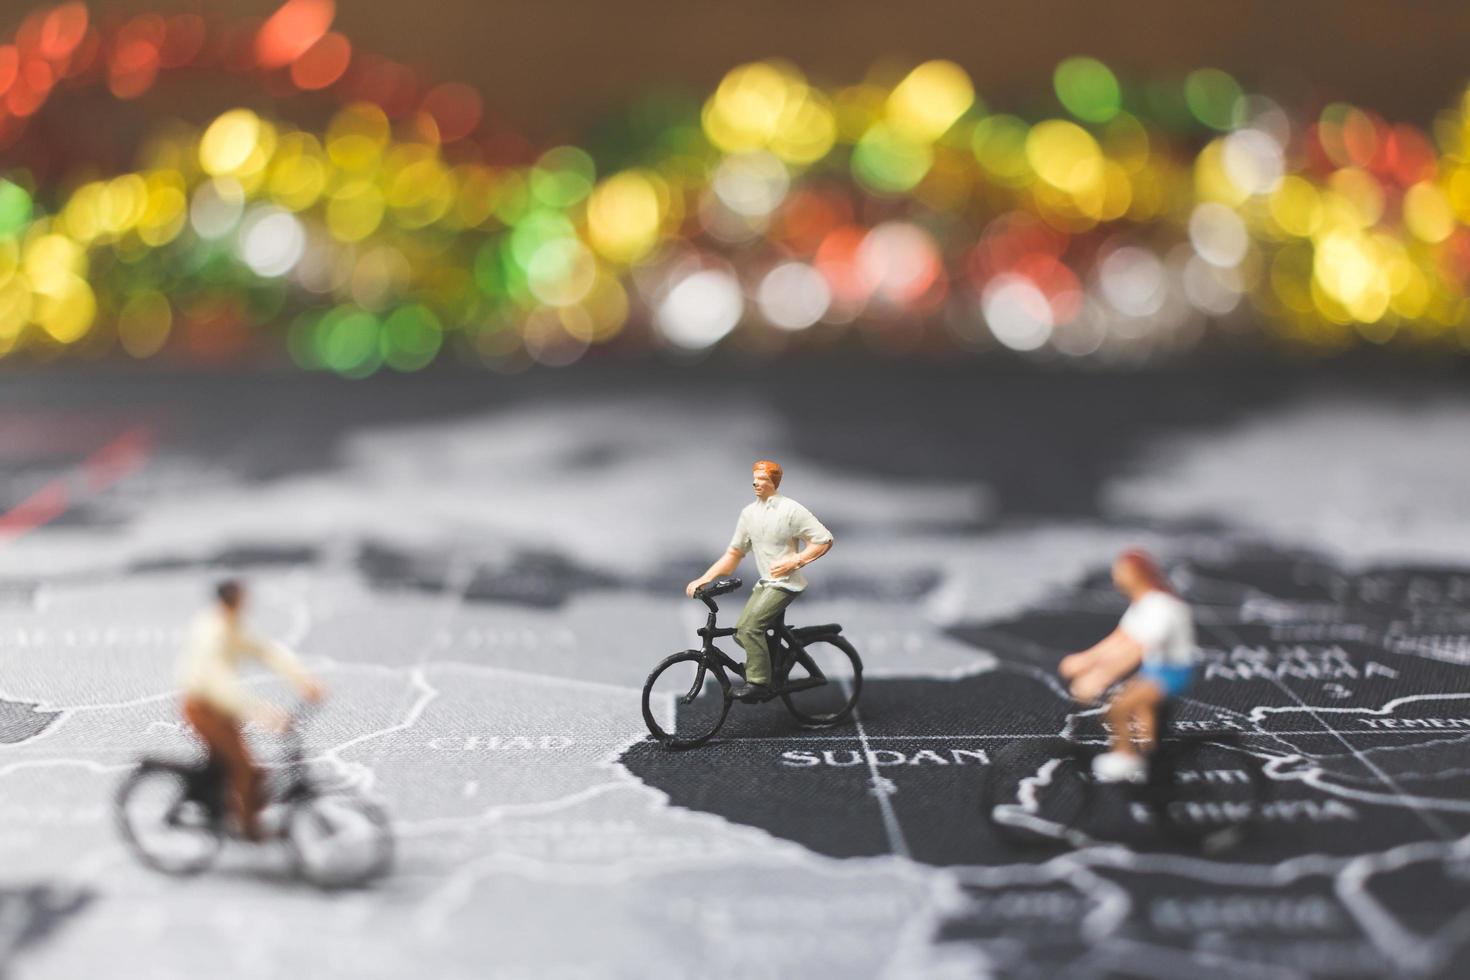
(1154, 638)
(771, 527)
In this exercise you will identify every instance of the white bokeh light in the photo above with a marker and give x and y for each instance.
(1253, 161)
(1132, 279)
(1211, 289)
(217, 207)
(1218, 235)
(898, 261)
(793, 296)
(701, 309)
(751, 184)
(1017, 311)
(272, 241)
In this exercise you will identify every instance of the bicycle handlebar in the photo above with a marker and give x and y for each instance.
(718, 587)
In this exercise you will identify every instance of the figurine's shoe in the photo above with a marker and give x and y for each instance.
(751, 692)
(1119, 767)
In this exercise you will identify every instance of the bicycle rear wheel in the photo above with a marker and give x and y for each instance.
(165, 822)
(684, 703)
(339, 840)
(831, 665)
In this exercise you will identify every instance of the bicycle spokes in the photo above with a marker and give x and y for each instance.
(824, 681)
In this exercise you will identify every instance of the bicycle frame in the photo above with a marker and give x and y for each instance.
(206, 782)
(787, 650)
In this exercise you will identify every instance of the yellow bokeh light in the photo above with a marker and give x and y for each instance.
(1296, 207)
(166, 210)
(298, 172)
(1065, 156)
(229, 141)
(930, 100)
(1211, 181)
(355, 210)
(1427, 213)
(475, 201)
(80, 217)
(357, 136)
(66, 308)
(624, 215)
(51, 261)
(122, 203)
(15, 306)
(1362, 190)
(9, 259)
(807, 131)
(768, 105)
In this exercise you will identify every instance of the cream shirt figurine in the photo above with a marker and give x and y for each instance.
(772, 528)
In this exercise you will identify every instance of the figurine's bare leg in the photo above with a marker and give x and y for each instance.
(221, 736)
(1146, 713)
(1134, 709)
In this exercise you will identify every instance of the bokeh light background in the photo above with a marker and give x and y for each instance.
(205, 185)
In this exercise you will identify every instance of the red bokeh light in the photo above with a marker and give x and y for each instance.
(291, 31)
(323, 63)
(456, 109)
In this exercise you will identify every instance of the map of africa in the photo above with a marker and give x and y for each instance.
(483, 570)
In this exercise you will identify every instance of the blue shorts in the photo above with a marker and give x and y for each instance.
(1172, 679)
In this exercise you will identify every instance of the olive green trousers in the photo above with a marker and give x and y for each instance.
(761, 612)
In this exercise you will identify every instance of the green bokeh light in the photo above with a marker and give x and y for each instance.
(15, 208)
(411, 338)
(888, 164)
(535, 230)
(347, 342)
(1212, 96)
(563, 176)
(1088, 89)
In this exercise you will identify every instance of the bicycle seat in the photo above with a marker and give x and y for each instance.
(720, 586)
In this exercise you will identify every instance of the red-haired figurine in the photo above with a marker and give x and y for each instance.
(771, 527)
(1156, 639)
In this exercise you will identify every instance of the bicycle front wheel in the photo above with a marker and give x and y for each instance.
(339, 840)
(824, 682)
(165, 824)
(684, 702)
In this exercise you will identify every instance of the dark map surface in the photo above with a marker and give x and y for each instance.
(484, 569)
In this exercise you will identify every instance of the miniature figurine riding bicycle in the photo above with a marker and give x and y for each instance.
(817, 675)
(771, 527)
(1197, 783)
(1156, 639)
(176, 815)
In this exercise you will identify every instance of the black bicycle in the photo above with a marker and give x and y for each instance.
(815, 672)
(175, 816)
(1202, 789)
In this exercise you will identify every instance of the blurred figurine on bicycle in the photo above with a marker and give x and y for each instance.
(217, 704)
(1154, 642)
(771, 527)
